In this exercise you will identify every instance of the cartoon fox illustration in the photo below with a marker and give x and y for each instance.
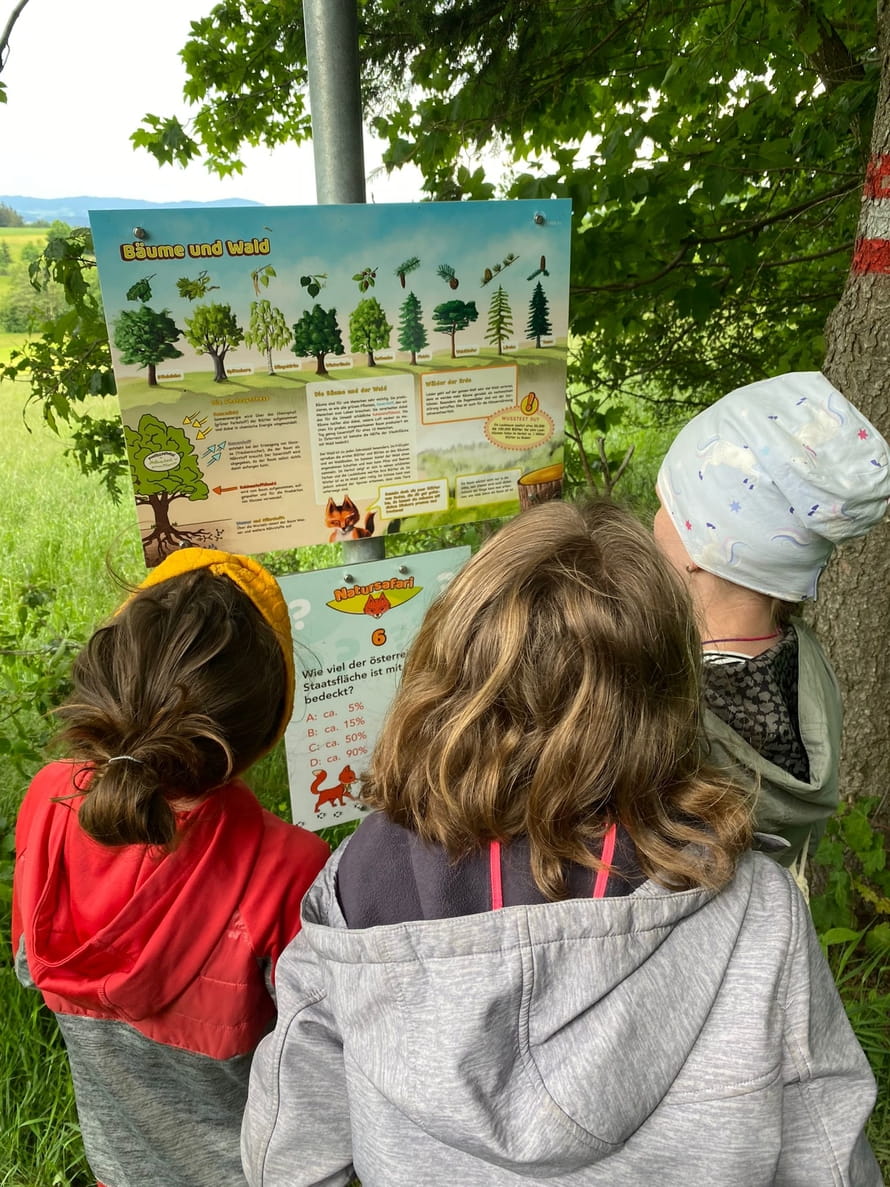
(376, 605)
(336, 794)
(344, 519)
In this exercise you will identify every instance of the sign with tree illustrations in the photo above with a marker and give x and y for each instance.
(298, 375)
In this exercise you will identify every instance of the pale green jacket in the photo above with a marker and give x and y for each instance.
(786, 806)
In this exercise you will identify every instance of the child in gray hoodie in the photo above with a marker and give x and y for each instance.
(549, 956)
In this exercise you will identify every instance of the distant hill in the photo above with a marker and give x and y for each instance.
(74, 210)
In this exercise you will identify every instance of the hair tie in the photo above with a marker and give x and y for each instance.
(125, 758)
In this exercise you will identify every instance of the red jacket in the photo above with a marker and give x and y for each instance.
(178, 945)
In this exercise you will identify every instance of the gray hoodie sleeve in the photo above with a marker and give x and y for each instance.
(829, 1090)
(304, 1142)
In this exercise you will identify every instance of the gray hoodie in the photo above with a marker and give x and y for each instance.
(682, 1039)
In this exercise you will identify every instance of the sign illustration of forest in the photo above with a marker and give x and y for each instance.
(298, 375)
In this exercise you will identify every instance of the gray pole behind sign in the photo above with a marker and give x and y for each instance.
(336, 107)
(335, 100)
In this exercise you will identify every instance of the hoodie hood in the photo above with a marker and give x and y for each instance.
(104, 925)
(540, 1038)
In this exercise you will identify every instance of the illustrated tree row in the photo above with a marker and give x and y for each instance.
(147, 337)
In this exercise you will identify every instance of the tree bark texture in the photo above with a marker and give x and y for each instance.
(852, 615)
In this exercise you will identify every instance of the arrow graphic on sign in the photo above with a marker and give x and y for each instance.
(221, 490)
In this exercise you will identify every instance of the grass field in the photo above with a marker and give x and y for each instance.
(8, 342)
(16, 239)
(58, 531)
(59, 536)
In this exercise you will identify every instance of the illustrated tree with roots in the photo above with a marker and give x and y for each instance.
(213, 329)
(412, 334)
(164, 466)
(267, 330)
(145, 337)
(368, 328)
(538, 315)
(317, 334)
(452, 316)
(500, 319)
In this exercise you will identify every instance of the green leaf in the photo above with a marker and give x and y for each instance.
(140, 291)
(877, 939)
(839, 935)
(809, 36)
(859, 834)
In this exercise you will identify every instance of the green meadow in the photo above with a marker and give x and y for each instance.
(58, 534)
(16, 240)
(65, 547)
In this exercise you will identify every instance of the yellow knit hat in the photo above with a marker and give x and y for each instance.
(259, 585)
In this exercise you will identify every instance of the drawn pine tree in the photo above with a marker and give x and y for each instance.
(500, 319)
(538, 316)
(412, 335)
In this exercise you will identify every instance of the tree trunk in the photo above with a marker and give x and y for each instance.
(219, 370)
(160, 507)
(152, 375)
(852, 614)
(320, 368)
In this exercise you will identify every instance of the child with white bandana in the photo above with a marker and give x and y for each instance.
(756, 492)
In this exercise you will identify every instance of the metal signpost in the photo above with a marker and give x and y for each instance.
(335, 104)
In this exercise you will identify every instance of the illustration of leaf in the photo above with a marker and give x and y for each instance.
(141, 290)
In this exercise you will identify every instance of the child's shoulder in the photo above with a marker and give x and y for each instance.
(280, 844)
(292, 838)
(57, 778)
(54, 782)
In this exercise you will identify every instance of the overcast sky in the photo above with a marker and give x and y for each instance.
(79, 78)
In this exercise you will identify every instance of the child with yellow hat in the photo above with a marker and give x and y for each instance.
(153, 894)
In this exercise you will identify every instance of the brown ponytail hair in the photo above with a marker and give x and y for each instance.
(183, 689)
(554, 688)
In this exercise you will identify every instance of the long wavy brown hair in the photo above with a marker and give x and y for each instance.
(554, 689)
